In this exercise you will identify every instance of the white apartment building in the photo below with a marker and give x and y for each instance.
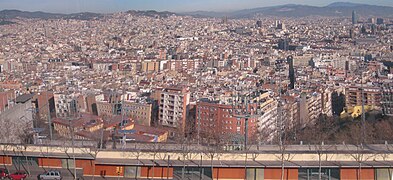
(65, 105)
(173, 107)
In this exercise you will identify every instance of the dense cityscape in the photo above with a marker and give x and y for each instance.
(150, 79)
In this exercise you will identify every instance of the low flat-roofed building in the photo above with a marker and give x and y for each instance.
(85, 122)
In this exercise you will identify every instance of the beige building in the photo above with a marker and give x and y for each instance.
(150, 66)
(310, 108)
(105, 108)
(84, 123)
(140, 113)
(372, 96)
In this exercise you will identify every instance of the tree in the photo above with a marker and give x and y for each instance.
(134, 152)
(212, 152)
(4, 148)
(283, 156)
(163, 156)
(93, 152)
(316, 137)
(321, 151)
(358, 153)
(185, 149)
(14, 132)
(157, 148)
(385, 155)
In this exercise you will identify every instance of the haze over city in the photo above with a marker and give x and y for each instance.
(108, 6)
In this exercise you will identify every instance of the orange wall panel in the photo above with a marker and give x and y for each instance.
(159, 172)
(275, 174)
(108, 170)
(228, 173)
(49, 162)
(5, 160)
(352, 174)
(86, 165)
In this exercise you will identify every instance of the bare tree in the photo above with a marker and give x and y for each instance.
(317, 137)
(92, 152)
(184, 150)
(385, 155)
(12, 132)
(4, 148)
(359, 154)
(283, 157)
(212, 152)
(157, 148)
(134, 153)
(165, 157)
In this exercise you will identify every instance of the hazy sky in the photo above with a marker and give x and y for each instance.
(67, 6)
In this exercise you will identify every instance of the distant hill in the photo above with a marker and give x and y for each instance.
(289, 10)
(11, 14)
(344, 4)
(6, 22)
(152, 13)
(296, 10)
(206, 14)
(334, 9)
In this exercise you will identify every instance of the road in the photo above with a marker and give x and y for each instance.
(34, 171)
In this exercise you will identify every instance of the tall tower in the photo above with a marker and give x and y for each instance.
(291, 72)
(259, 23)
(354, 17)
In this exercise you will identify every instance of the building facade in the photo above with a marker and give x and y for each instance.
(372, 96)
(387, 99)
(140, 112)
(65, 104)
(173, 108)
(215, 122)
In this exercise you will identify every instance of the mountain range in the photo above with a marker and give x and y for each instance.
(11, 14)
(296, 10)
(288, 10)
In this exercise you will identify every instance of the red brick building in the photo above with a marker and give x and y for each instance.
(217, 123)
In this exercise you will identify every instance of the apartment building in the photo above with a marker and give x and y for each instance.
(372, 96)
(267, 122)
(65, 104)
(387, 98)
(215, 122)
(140, 112)
(173, 108)
(310, 108)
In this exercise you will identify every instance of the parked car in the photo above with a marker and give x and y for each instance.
(3, 173)
(18, 175)
(52, 174)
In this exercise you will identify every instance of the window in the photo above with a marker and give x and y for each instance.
(238, 123)
(313, 173)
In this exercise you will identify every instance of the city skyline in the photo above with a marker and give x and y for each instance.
(219, 89)
(110, 6)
